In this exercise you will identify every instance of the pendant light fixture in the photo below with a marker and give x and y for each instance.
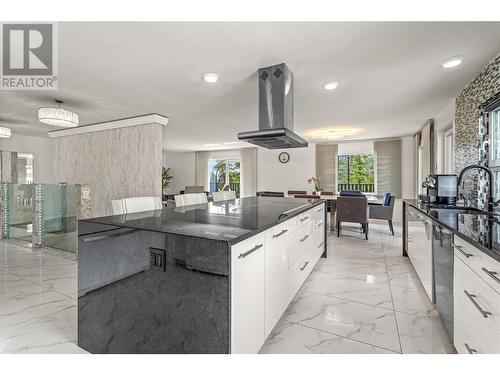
(58, 116)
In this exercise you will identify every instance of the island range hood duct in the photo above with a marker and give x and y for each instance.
(275, 111)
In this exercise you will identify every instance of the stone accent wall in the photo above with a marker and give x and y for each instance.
(467, 113)
(471, 132)
(115, 164)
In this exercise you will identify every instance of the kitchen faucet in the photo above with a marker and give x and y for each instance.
(491, 203)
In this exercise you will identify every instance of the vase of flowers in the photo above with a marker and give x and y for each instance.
(317, 183)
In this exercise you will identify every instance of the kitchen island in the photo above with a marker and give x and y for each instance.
(209, 278)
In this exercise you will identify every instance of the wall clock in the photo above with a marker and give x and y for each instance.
(284, 157)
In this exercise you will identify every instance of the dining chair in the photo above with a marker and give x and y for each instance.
(307, 196)
(194, 189)
(270, 194)
(189, 199)
(351, 193)
(220, 196)
(139, 204)
(326, 193)
(135, 204)
(295, 192)
(384, 211)
(352, 210)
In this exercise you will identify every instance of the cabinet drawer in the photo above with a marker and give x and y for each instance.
(299, 241)
(318, 213)
(319, 237)
(486, 267)
(305, 217)
(476, 311)
(298, 273)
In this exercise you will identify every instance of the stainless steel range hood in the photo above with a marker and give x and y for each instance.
(275, 111)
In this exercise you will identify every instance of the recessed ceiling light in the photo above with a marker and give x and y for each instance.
(452, 62)
(5, 132)
(210, 77)
(332, 85)
(212, 144)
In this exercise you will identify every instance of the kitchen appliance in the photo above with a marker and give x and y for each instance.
(442, 253)
(275, 111)
(441, 189)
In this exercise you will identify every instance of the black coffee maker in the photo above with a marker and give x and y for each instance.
(440, 188)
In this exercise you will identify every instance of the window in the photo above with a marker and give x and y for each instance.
(494, 158)
(356, 172)
(224, 174)
(448, 151)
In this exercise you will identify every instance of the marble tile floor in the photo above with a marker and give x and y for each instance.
(37, 300)
(364, 298)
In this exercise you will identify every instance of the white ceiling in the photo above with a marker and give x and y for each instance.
(389, 74)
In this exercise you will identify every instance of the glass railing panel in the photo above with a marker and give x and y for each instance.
(59, 207)
(19, 215)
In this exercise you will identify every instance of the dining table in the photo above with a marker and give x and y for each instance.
(331, 199)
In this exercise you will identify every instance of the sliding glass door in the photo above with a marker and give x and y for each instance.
(224, 174)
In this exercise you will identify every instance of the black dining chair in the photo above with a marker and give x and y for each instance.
(295, 192)
(270, 194)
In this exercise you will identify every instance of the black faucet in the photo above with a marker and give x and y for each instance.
(491, 204)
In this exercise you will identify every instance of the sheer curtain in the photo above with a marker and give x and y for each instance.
(388, 169)
(248, 158)
(326, 165)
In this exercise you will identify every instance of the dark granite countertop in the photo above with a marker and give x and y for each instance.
(479, 228)
(231, 221)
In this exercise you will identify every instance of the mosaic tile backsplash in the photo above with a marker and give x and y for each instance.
(471, 132)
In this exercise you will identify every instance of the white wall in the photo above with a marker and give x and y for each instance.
(272, 175)
(42, 154)
(442, 122)
(182, 168)
(355, 148)
(407, 167)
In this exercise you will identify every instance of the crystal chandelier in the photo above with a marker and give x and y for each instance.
(58, 116)
(5, 132)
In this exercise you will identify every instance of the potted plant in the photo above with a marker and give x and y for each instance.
(317, 183)
(165, 179)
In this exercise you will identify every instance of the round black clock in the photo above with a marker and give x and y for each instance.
(284, 157)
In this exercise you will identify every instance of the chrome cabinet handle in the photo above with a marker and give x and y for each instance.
(304, 218)
(493, 274)
(280, 233)
(471, 297)
(469, 349)
(305, 238)
(459, 248)
(109, 234)
(243, 255)
(304, 266)
(321, 244)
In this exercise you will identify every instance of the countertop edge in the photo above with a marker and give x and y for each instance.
(463, 236)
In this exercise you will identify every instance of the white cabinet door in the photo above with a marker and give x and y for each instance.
(276, 270)
(247, 295)
(420, 251)
(476, 312)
